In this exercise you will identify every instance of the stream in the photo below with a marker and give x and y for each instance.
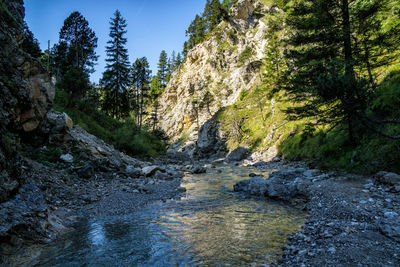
(210, 225)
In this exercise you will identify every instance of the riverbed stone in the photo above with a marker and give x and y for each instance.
(389, 178)
(68, 158)
(150, 170)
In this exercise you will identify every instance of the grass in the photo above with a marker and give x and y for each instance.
(122, 134)
(258, 120)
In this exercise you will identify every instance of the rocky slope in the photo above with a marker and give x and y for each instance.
(353, 220)
(26, 93)
(214, 74)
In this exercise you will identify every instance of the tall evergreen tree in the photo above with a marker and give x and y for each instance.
(163, 68)
(116, 78)
(178, 61)
(74, 56)
(78, 43)
(155, 92)
(140, 75)
(325, 68)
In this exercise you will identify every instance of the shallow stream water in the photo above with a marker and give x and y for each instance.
(211, 225)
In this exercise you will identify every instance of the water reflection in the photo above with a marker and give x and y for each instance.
(211, 225)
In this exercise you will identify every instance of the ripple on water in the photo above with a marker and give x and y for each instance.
(211, 225)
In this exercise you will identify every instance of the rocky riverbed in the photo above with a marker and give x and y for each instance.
(89, 178)
(353, 220)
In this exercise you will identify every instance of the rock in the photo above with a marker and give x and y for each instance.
(86, 171)
(210, 140)
(238, 154)
(197, 169)
(283, 185)
(255, 186)
(23, 211)
(389, 178)
(114, 162)
(260, 164)
(162, 176)
(68, 121)
(68, 158)
(242, 9)
(132, 171)
(149, 170)
(390, 214)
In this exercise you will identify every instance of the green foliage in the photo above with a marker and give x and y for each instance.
(116, 78)
(140, 76)
(137, 143)
(6, 16)
(124, 135)
(246, 55)
(10, 143)
(214, 12)
(331, 149)
(76, 83)
(76, 47)
(30, 43)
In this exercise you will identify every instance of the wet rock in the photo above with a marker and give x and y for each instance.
(197, 169)
(283, 185)
(260, 164)
(68, 158)
(23, 210)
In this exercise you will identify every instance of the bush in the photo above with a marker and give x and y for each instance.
(122, 134)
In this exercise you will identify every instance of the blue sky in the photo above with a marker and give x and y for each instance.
(153, 25)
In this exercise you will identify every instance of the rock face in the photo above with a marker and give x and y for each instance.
(212, 76)
(26, 95)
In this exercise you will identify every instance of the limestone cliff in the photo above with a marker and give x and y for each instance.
(214, 74)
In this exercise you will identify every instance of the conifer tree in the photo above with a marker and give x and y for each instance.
(178, 61)
(116, 80)
(163, 68)
(140, 75)
(75, 53)
(78, 43)
(326, 63)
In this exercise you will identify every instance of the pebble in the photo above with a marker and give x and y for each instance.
(332, 250)
(390, 214)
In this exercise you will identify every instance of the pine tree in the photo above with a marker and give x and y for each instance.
(178, 61)
(140, 75)
(155, 92)
(116, 78)
(80, 42)
(326, 63)
(74, 53)
(30, 44)
(162, 68)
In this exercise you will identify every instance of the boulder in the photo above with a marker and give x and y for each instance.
(23, 210)
(197, 169)
(132, 171)
(86, 171)
(238, 154)
(162, 176)
(388, 178)
(286, 185)
(149, 170)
